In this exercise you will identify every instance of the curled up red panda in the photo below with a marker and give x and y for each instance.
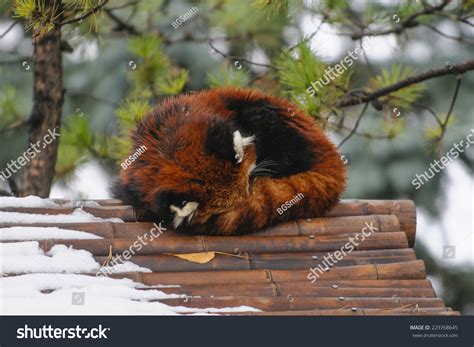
(230, 161)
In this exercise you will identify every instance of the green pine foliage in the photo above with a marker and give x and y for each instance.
(37, 16)
(40, 18)
(128, 113)
(229, 76)
(433, 133)
(393, 126)
(296, 71)
(255, 26)
(272, 7)
(153, 75)
(396, 104)
(339, 10)
(173, 84)
(402, 98)
(83, 5)
(132, 111)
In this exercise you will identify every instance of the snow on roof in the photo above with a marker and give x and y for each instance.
(28, 201)
(48, 283)
(53, 294)
(25, 233)
(48, 290)
(78, 216)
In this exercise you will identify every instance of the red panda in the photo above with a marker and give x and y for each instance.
(230, 161)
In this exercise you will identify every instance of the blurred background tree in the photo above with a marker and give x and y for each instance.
(92, 68)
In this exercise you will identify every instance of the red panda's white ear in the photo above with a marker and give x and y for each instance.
(240, 143)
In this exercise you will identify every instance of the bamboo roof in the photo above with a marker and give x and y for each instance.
(270, 269)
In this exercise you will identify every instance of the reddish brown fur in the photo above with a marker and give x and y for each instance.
(176, 160)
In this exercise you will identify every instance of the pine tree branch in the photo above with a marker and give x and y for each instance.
(9, 29)
(370, 136)
(242, 59)
(451, 107)
(366, 135)
(430, 111)
(121, 24)
(409, 22)
(355, 126)
(128, 4)
(456, 38)
(444, 125)
(87, 14)
(426, 75)
(313, 34)
(15, 125)
(465, 21)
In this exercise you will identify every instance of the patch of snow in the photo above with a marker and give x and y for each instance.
(19, 249)
(32, 201)
(55, 283)
(123, 267)
(88, 295)
(28, 257)
(28, 201)
(21, 233)
(78, 216)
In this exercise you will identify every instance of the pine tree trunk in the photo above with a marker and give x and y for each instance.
(45, 118)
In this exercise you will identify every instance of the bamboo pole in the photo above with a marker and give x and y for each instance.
(270, 261)
(302, 303)
(275, 244)
(404, 209)
(198, 278)
(403, 270)
(320, 226)
(410, 270)
(356, 276)
(339, 225)
(290, 290)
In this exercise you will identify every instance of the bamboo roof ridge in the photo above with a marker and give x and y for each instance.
(268, 270)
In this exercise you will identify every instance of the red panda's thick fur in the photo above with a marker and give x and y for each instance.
(192, 173)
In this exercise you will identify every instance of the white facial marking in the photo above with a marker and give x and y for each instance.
(240, 143)
(180, 214)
